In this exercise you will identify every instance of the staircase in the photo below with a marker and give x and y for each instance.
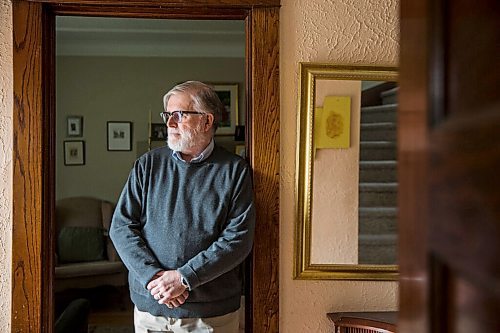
(378, 185)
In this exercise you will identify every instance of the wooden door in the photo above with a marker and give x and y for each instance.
(449, 156)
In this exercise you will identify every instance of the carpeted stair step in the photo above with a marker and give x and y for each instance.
(377, 151)
(378, 220)
(378, 194)
(379, 113)
(390, 96)
(378, 249)
(378, 132)
(377, 171)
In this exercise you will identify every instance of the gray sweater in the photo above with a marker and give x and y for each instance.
(198, 218)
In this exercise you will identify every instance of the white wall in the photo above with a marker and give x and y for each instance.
(334, 209)
(338, 32)
(342, 32)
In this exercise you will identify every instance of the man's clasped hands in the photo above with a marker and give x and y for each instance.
(166, 288)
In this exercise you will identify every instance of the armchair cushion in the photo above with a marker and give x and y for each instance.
(80, 244)
(82, 262)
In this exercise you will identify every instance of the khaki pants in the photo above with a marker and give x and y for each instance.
(145, 322)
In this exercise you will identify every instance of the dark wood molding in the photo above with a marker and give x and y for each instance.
(264, 154)
(29, 292)
(34, 145)
(49, 162)
(366, 322)
(154, 12)
(169, 3)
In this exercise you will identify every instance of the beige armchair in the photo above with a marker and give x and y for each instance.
(85, 256)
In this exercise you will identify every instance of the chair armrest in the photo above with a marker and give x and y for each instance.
(107, 210)
(74, 318)
(110, 250)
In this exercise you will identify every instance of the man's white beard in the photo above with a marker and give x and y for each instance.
(188, 139)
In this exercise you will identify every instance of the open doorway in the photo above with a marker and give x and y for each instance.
(34, 145)
(113, 72)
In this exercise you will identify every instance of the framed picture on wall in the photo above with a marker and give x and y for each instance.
(158, 132)
(228, 94)
(119, 135)
(75, 126)
(74, 152)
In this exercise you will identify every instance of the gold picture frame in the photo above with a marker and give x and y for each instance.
(310, 73)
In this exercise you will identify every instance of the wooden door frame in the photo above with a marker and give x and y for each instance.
(34, 144)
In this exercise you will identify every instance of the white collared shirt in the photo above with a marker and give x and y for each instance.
(197, 159)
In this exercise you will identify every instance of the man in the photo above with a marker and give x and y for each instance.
(185, 221)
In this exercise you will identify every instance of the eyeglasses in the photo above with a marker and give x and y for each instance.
(177, 115)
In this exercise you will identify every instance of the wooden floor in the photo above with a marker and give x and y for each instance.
(112, 318)
(109, 306)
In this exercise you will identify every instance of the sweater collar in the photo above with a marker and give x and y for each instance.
(197, 159)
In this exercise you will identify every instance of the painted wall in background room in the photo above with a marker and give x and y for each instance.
(105, 89)
(344, 32)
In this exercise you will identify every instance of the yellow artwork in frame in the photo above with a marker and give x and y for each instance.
(332, 123)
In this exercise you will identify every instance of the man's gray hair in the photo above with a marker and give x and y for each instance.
(203, 99)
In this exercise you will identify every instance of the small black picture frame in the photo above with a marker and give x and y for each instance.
(158, 132)
(74, 126)
(119, 135)
(74, 152)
